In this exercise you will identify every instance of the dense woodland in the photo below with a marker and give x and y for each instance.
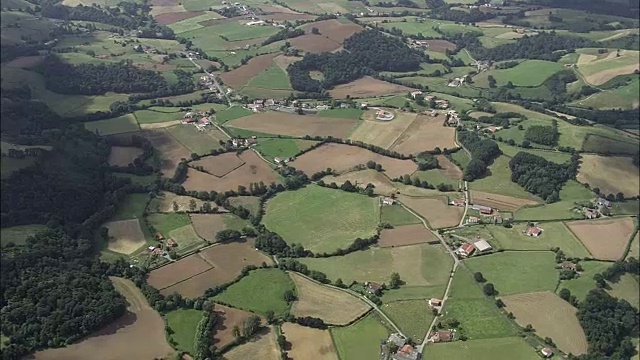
(483, 152)
(541, 177)
(542, 134)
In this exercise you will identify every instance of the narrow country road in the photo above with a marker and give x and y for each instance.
(215, 80)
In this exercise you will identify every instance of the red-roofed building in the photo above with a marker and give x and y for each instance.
(466, 249)
(441, 336)
(458, 202)
(159, 236)
(171, 243)
(407, 352)
(533, 231)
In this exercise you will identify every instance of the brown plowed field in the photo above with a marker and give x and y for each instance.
(219, 165)
(207, 225)
(611, 174)
(228, 317)
(434, 210)
(170, 149)
(139, 334)
(125, 236)
(170, 18)
(333, 29)
(367, 87)
(253, 171)
(263, 347)
(284, 61)
(308, 343)
(334, 306)
(425, 133)
(605, 239)
(239, 77)
(383, 186)
(315, 44)
(500, 202)
(440, 45)
(182, 269)
(123, 155)
(340, 157)
(543, 310)
(405, 235)
(448, 168)
(282, 123)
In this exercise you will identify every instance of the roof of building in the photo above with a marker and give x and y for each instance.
(547, 351)
(435, 301)
(374, 286)
(397, 339)
(482, 245)
(445, 335)
(534, 230)
(467, 248)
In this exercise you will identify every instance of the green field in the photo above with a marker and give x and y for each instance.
(413, 293)
(533, 271)
(271, 78)
(461, 158)
(627, 288)
(553, 156)
(193, 23)
(231, 113)
(18, 234)
(412, 316)
(342, 113)
(610, 144)
(271, 148)
(581, 285)
(397, 215)
(183, 324)
(527, 73)
(250, 203)
(165, 223)
(151, 116)
(623, 97)
(322, 219)
(132, 207)
(360, 341)
(121, 124)
(199, 142)
(571, 193)
(435, 177)
(499, 180)
(512, 348)
(261, 291)
(136, 179)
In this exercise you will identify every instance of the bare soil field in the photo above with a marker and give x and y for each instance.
(282, 123)
(333, 29)
(405, 235)
(207, 225)
(449, 169)
(425, 133)
(170, 18)
(441, 45)
(139, 334)
(284, 61)
(263, 347)
(605, 239)
(164, 202)
(612, 174)
(342, 157)
(123, 155)
(500, 202)
(228, 318)
(382, 133)
(308, 343)
(315, 44)
(160, 125)
(254, 170)
(172, 151)
(180, 270)
(219, 165)
(125, 236)
(239, 77)
(25, 62)
(367, 87)
(334, 306)
(542, 310)
(435, 210)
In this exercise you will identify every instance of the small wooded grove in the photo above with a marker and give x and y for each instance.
(541, 177)
(542, 134)
(483, 152)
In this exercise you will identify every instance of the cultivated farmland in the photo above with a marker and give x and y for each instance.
(542, 310)
(228, 318)
(397, 216)
(367, 87)
(309, 343)
(123, 155)
(611, 174)
(359, 341)
(381, 133)
(605, 239)
(435, 210)
(599, 71)
(241, 76)
(170, 149)
(274, 122)
(425, 133)
(405, 235)
(500, 202)
(312, 43)
(383, 185)
(121, 124)
(412, 316)
(262, 347)
(219, 165)
(125, 236)
(322, 219)
(512, 348)
(208, 225)
(175, 272)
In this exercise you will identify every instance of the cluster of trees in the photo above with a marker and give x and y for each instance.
(483, 151)
(617, 117)
(204, 348)
(427, 161)
(501, 119)
(297, 266)
(466, 17)
(543, 134)
(541, 177)
(286, 33)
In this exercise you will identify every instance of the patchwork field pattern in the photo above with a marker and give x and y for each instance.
(605, 239)
(239, 77)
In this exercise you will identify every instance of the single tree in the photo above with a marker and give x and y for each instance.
(479, 277)
(394, 282)
(192, 205)
(489, 289)
(175, 206)
(250, 326)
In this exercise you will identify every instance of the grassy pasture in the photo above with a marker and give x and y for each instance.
(623, 97)
(165, 223)
(359, 341)
(231, 114)
(282, 148)
(121, 124)
(18, 234)
(527, 73)
(627, 288)
(499, 179)
(553, 156)
(610, 144)
(342, 113)
(272, 78)
(153, 116)
(322, 219)
(132, 207)
(397, 216)
(571, 193)
(435, 177)
(183, 323)
(555, 234)
(413, 293)
(199, 142)
(513, 348)
(611, 174)
(412, 316)
(581, 285)
(193, 23)
(261, 291)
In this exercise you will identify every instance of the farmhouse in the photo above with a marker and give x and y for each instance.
(416, 93)
(373, 288)
(278, 160)
(159, 236)
(171, 243)
(442, 104)
(406, 352)
(546, 352)
(486, 210)
(591, 213)
(397, 339)
(458, 202)
(473, 220)
(441, 336)
(493, 129)
(604, 202)
(388, 201)
(569, 265)
(533, 231)
(435, 303)
(466, 249)
(482, 246)
(256, 22)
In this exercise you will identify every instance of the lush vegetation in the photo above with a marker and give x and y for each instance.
(539, 176)
(545, 135)
(483, 151)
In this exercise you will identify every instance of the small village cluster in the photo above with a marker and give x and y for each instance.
(163, 246)
(201, 119)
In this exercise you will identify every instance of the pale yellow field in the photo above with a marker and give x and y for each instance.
(308, 343)
(263, 347)
(334, 306)
(598, 70)
(612, 174)
(605, 239)
(125, 236)
(382, 133)
(159, 125)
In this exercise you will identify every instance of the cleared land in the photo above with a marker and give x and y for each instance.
(121, 124)
(315, 44)
(381, 133)
(219, 165)
(367, 87)
(322, 219)
(334, 306)
(262, 347)
(627, 288)
(543, 310)
(183, 323)
(396, 215)
(208, 225)
(164, 202)
(18, 234)
(241, 76)
(360, 340)
(283, 123)
(425, 133)
(512, 348)
(405, 235)
(170, 149)
(521, 74)
(228, 318)
(308, 343)
(334, 30)
(340, 157)
(440, 45)
(123, 155)
(435, 210)
(125, 236)
(412, 316)
(500, 202)
(605, 239)
(611, 174)
(139, 334)
(175, 272)
(598, 71)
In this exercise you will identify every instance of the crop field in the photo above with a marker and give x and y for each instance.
(367, 87)
(151, 116)
(611, 174)
(282, 148)
(527, 73)
(412, 316)
(123, 155)
(139, 334)
(125, 236)
(341, 157)
(164, 202)
(322, 219)
(435, 177)
(627, 288)
(498, 179)
(598, 71)
(263, 347)
(513, 348)
(241, 76)
(500, 202)
(360, 341)
(405, 235)
(315, 44)
(178, 271)
(231, 114)
(413, 293)
(309, 343)
(208, 225)
(605, 239)
(199, 142)
(425, 133)
(536, 271)
(253, 171)
(571, 193)
(261, 291)
(418, 265)
(435, 210)
(334, 306)
(282, 123)
(382, 133)
(121, 124)
(440, 45)
(542, 310)
(172, 151)
(623, 97)
(18, 234)
(397, 216)
(581, 285)
(228, 318)
(273, 78)
(183, 323)
(219, 165)
(250, 203)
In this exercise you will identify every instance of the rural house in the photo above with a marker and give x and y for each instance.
(373, 288)
(406, 352)
(466, 249)
(486, 210)
(473, 220)
(171, 243)
(458, 202)
(546, 352)
(159, 236)
(482, 246)
(604, 202)
(569, 265)
(591, 213)
(441, 336)
(397, 339)
(533, 231)
(435, 303)
(388, 201)
(416, 93)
